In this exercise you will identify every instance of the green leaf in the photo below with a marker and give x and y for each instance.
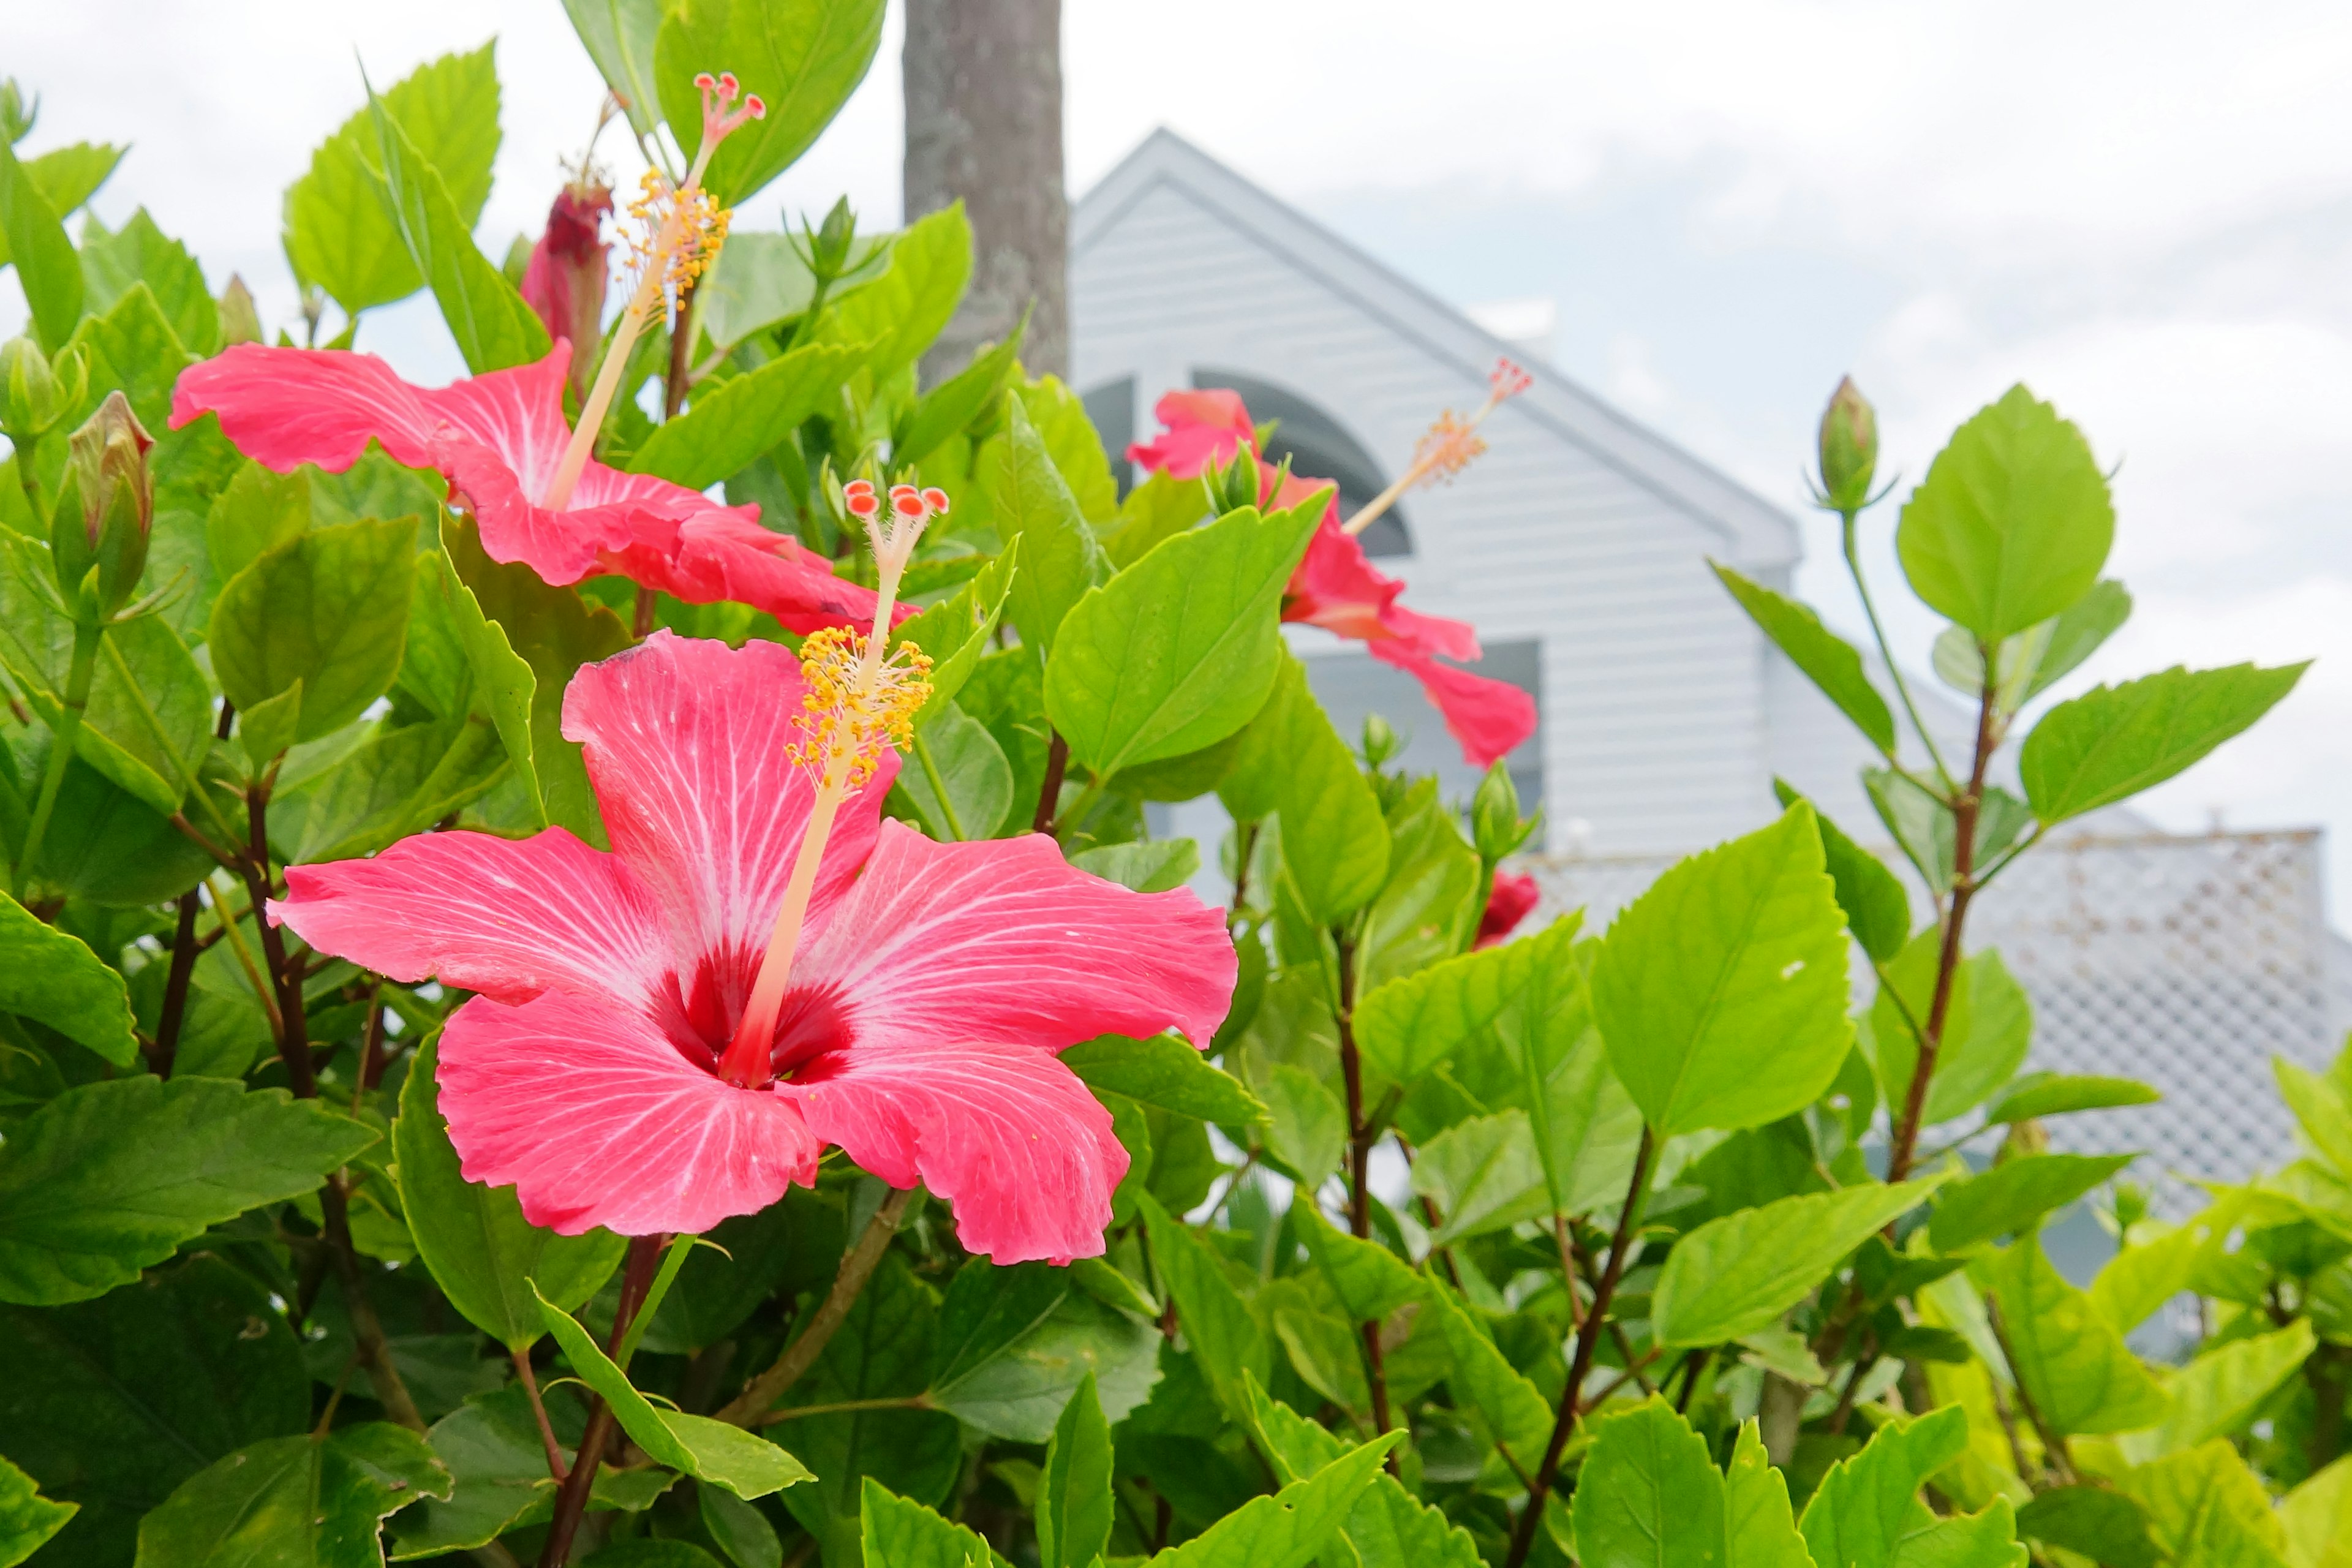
(741, 1531)
(955, 632)
(496, 329)
(1217, 1323)
(255, 513)
(1428, 907)
(1306, 1127)
(395, 782)
(709, 1450)
(2105, 1526)
(1369, 1280)
(2039, 1094)
(729, 423)
(2219, 1391)
(2318, 1518)
(1411, 1025)
(1482, 1175)
(1074, 1495)
(295, 1501)
(905, 1534)
(1077, 447)
(1178, 650)
(2070, 1360)
(1162, 1070)
(958, 778)
(47, 974)
(2114, 742)
(1828, 660)
(2012, 1197)
(28, 1520)
(898, 314)
(1987, 1027)
(492, 1446)
(1033, 508)
(67, 177)
(109, 1178)
(111, 1402)
(494, 1265)
(1736, 1275)
(495, 678)
(955, 403)
(1877, 908)
(131, 350)
(46, 264)
(139, 252)
(1388, 1528)
(1334, 839)
(1867, 1513)
(2012, 523)
(108, 845)
(1288, 1528)
(1649, 1496)
(1147, 866)
(1014, 1343)
(619, 36)
(1721, 991)
(2206, 1507)
(328, 608)
(1920, 825)
(802, 58)
(2077, 633)
(1485, 1384)
(340, 230)
(150, 719)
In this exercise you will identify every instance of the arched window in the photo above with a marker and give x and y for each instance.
(1318, 446)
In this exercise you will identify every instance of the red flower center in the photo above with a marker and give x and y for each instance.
(699, 1017)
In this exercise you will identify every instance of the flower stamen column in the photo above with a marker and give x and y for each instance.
(1449, 445)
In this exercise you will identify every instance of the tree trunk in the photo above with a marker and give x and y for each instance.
(983, 81)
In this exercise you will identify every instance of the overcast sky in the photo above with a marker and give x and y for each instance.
(2144, 212)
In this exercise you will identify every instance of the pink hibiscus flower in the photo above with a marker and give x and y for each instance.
(1514, 899)
(1337, 588)
(498, 439)
(932, 985)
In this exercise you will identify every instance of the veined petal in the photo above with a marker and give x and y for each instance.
(508, 920)
(1336, 588)
(517, 414)
(595, 1119)
(561, 547)
(1008, 1135)
(686, 746)
(285, 407)
(1488, 717)
(941, 943)
(725, 554)
(1202, 427)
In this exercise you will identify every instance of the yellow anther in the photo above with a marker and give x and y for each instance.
(1446, 449)
(850, 717)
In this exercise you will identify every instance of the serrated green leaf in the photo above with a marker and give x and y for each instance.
(729, 423)
(2014, 1195)
(67, 177)
(2070, 1360)
(1389, 1527)
(956, 776)
(1827, 659)
(397, 781)
(2114, 742)
(294, 1500)
(139, 252)
(947, 407)
(2206, 1507)
(108, 845)
(498, 1461)
(2318, 1518)
(109, 1178)
(1217, 1324)
(494, 1266)
(1920, 825)
(747, 1464)
(2105, 1526)
(1877, 908)
(1485, 1383)
(48, 975)
(1014, 1345)
(1369, 1280)
(1033, 510)
(1288, 1528)
(2012, 523)
(1411, 1026)
(2221, 1391)
(1736, 1275)
(1987, 1027)
(898, 314)
(28, 1520)
(1164, 1071)
(1482, 1175)
(802, 57)
(1721, 991)
(328, 608)
(1867, 1513)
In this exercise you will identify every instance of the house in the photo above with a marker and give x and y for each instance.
(1579, 548)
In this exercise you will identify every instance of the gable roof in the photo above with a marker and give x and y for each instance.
(1756, 534)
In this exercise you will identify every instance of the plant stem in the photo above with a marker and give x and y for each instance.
(1948, 958)
(175, 985)
(523, 1374)
(1049, 795)
(293, 1025)
(1588, 1341)
(571, 1501)
(762, 1392)
(1246, 836)
(376, 1355)
(1361, 1138)
(2054, 1447)
(87, 639)
(648, 610)
(681, 348)
(1886, 654)
(1693, 1365)
(846, 1406)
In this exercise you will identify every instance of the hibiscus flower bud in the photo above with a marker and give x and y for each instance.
(34, 401)
(1233, 484)
(565, 278)
(240, 322)
(1849, 448)
(98, 538)
(1495, 821)
(829, 246)
(1380, 741)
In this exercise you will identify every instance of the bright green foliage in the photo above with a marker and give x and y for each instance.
(493, 1265)
(2040, 1094)
(2206, 1507)
(2105, 1525)
(1514, 1413)
(2217, 1393)
(1217, 1323)
(1074, 1502)
(900, 312)
(2012, 523)
(2318, 1518)
(109, 1178)
(709, 1450)
(1166, 1072)
(328, 608)
(65, 177)
(1335, 842)
(1868, 1513)
(1828, 660)
(2068, 1357)
(1649, 1497)
(139, 252)
(1987, 1025)
(1060, 559)
(959, 780)
(1737, 1274)
(1368, 1280)
(1721, 991)
(1014, 1344)
(48, 975)
(802, 57)
(898, 1532)
(727, 426)
(2012, 1197)
(295, 1499)
(2114, 742)
(28, 1520)
(493, 1450)
(1288, 1528)
(1877, 909)
(46, 266)
(1483, 1174)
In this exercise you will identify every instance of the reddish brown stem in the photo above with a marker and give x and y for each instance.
(530, 1380)
(175, 987)
(1049, 795)
(571, 1501)
(1360, 1138)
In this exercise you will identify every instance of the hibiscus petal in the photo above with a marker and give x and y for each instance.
(1336, 588)
(285, 407)
(517, 414)
(686, 746)
(1488, 717)
(939, 943)
(561, 547)
(727, 555)
(1008, 1135)
(1202, 427)
(587, 1112)
(508, 920)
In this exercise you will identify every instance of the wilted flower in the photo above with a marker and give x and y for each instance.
(565, 278)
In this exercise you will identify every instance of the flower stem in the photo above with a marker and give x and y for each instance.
(761, 1392)
(571, 1501)
(1361, 1138)
(88, 635)
(1049, 795)
(1886, 652)
(175, 985)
